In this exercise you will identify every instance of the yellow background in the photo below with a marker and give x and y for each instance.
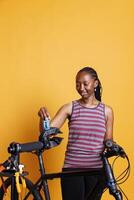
(42, 46)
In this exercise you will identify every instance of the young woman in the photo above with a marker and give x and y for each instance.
(90, 123)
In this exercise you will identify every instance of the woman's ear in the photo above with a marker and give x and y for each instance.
(96, 83)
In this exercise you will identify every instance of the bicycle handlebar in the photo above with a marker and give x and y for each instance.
(25, 147)
(46, 141)
(32, 146)
(113, 149)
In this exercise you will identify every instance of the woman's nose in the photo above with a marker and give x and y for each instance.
(81, 87)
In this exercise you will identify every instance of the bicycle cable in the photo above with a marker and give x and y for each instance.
(123, 192)
(125, 173)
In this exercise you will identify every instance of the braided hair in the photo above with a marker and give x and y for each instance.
(93, 73)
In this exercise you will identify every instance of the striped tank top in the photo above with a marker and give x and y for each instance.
(87, 128)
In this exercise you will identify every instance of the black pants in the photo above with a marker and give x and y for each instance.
(84, 187)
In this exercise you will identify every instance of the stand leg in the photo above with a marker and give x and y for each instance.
(44, 181)
(14, 193)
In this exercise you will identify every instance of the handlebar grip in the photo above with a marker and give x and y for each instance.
(109, 143)
(32, 146)
(25, 147)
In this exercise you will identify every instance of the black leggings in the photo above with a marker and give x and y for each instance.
(85, 187)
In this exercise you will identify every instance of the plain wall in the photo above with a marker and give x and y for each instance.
(42, 46)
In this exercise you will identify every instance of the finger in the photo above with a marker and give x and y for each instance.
(41, 114)
(47, 114)
(44, 113)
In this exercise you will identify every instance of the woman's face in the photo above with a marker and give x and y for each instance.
(85, 84)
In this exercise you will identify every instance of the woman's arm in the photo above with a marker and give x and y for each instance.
(58, 120)
(109, 122)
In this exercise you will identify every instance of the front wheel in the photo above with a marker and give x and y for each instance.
(28, 193)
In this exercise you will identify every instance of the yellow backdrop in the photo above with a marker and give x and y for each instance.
(42, 45)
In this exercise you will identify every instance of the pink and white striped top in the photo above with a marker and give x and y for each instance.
(86, 135)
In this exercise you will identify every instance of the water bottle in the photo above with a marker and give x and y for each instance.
(46, 124)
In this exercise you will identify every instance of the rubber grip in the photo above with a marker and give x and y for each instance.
(29, 147)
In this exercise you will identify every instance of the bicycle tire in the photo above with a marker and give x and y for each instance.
(34, 194)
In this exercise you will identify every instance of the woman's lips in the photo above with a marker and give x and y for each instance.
(83, 93)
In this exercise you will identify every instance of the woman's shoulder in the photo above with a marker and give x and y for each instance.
(108, 108)
(70, 104)
(108, 111)
(68, 107)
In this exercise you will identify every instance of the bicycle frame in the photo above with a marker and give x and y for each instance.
(38, 147)
(111, 182)
(42, 181)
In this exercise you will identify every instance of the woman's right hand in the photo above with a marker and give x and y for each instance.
(43, 113)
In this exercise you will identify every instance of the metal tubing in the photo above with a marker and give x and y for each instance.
(14, 193)
(111, 182)
(44, 181)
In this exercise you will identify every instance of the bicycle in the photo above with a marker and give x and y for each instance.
(47, 141)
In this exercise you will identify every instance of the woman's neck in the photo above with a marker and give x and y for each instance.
(92, 101)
